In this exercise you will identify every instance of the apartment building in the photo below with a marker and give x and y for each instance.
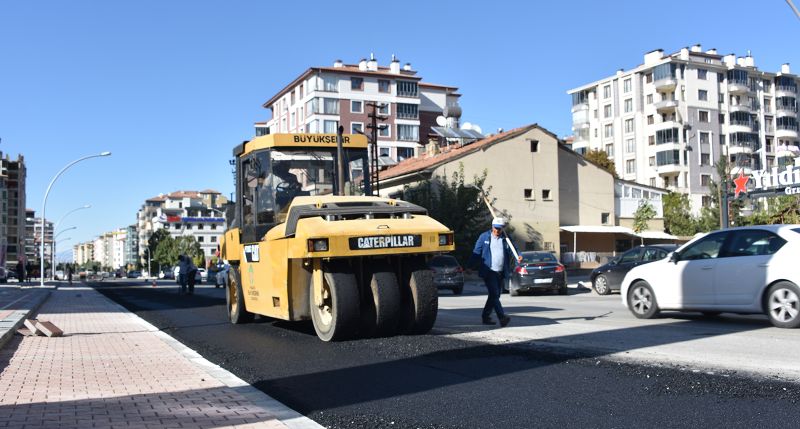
(83, 252)
(321, 98)
(666, 122)
(131, 252)
(30, 245)
(13, 213)
(183, 213)
(47, 237)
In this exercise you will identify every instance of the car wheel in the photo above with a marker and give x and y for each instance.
(783, 305)
(642, 300)
(601, 285)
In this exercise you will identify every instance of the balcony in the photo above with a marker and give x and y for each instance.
(787, 151)
(580, 119)
(666, 84)
(738, 87)
(785, 91)
(741, 108)
(666, 106)
(743, 149)
(786, 132)
(580, 106)
(669, 169)
(785, 110)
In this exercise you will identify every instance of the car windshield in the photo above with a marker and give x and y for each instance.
(444, 261)
(538, 258)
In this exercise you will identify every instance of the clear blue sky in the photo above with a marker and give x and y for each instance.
(171, 86)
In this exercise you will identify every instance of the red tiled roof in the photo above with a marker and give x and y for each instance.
(183, 194)
(421, 163)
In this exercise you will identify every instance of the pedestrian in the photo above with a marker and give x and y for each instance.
(183, 270)
(190, 273)
(21, 272)
(493, 256)
(69, 274)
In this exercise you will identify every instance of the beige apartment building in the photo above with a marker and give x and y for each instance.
(556, 199)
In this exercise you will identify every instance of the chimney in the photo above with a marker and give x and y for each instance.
(653, 56)
(684, 55)
(749, 61)
(729, 60)
(740, 61)
(620, 72)
(338, 63)
(786, 70)
(372, 64)
(394, 66)
(407, 67)
(362, 65)
(697, 48)
(712, 51)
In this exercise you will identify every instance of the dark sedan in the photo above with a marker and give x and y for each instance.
(447, 273)
(607, 278)
(538, 271)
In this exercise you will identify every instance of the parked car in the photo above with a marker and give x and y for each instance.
(11, 274)
(538, 271)
(447, 273)
(203, 274)
(607, 278)
(4, 275)
(737, 270)
(134, 274)
(167, 274)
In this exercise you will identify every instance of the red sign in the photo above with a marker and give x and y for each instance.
(173, 218)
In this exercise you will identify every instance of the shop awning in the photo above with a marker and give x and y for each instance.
(657, 235)
(599, 229)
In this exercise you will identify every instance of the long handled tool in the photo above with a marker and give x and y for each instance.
(491, 210)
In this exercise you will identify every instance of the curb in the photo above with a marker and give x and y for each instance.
(18, 317)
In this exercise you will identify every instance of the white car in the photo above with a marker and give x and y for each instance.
(737, 270)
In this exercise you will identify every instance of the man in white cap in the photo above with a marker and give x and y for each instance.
(494, 255)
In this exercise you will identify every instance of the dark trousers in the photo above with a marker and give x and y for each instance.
(190, 279)
(494, 284)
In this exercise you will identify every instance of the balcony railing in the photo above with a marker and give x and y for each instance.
(786, 88)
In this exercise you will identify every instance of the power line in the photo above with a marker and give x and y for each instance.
(791, 5)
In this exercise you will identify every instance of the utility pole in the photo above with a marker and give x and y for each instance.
(374, 117)
(339, 161)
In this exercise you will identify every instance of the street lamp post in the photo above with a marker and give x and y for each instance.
(44, 207)
(55, 228)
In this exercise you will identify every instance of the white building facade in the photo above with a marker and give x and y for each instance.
(667, 122)
(323, 97)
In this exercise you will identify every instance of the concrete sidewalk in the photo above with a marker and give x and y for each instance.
(113, 369)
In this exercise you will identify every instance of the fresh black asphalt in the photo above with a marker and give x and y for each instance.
(433, 381)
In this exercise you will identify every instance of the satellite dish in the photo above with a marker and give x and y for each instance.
(477, 129)
(441, 121)
(467, 126)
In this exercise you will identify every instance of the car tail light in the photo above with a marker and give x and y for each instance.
(459, 270)
(559, 268)
(521, 270)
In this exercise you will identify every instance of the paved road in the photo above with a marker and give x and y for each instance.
(463, 375)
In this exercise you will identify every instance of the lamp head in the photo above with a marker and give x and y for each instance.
(106, 153)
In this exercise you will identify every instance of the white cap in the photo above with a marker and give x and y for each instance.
(498, 222)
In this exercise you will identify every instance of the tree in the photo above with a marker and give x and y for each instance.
(678, 219)
(164, 254)
(710, 216)
(188, 245)
(457, 205)
(600, 157)
(643, 214)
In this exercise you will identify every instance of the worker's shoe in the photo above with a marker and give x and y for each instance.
(504, 321)
(488, 321)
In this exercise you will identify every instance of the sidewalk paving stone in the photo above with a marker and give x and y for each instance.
(112, 369)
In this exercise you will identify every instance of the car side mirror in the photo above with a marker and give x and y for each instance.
(674, 257)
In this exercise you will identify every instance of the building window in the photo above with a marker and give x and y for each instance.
(704, 138)
(648, 78)
(595, 113)
(383, 85)
(330, 127)
(702, 95)
(610, 150)
(705, 179)
(356, 127)
(357, 83)
(706, 201)
(630, 145)
(383, 108)
(356, 106)
(213, 239)
(668, 157)
(384, 130)
(407, 111)
(200, 239)
(721, 118)
(595, 132)
(534, 145)
(607, 91)
(329, 84)
(528, 194)
(668, 135)
(177, 226)
(407, 89)
(705, 159)
(200, 226)
(330, 106)
(702, 74)
(650, 120)
(649, 98)
(404, 153)
(629, 128)
(384, 151)
(545, 194)
(213, 226)
(626, 85)
(651, 140)
(604, 218)
(608, 131)
(652, 181)
(607, 111)
(703, 116)
(630, 166)
(629, 105)
(651, 161)
(407, 132)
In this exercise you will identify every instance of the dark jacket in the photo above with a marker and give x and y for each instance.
(482, 255)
